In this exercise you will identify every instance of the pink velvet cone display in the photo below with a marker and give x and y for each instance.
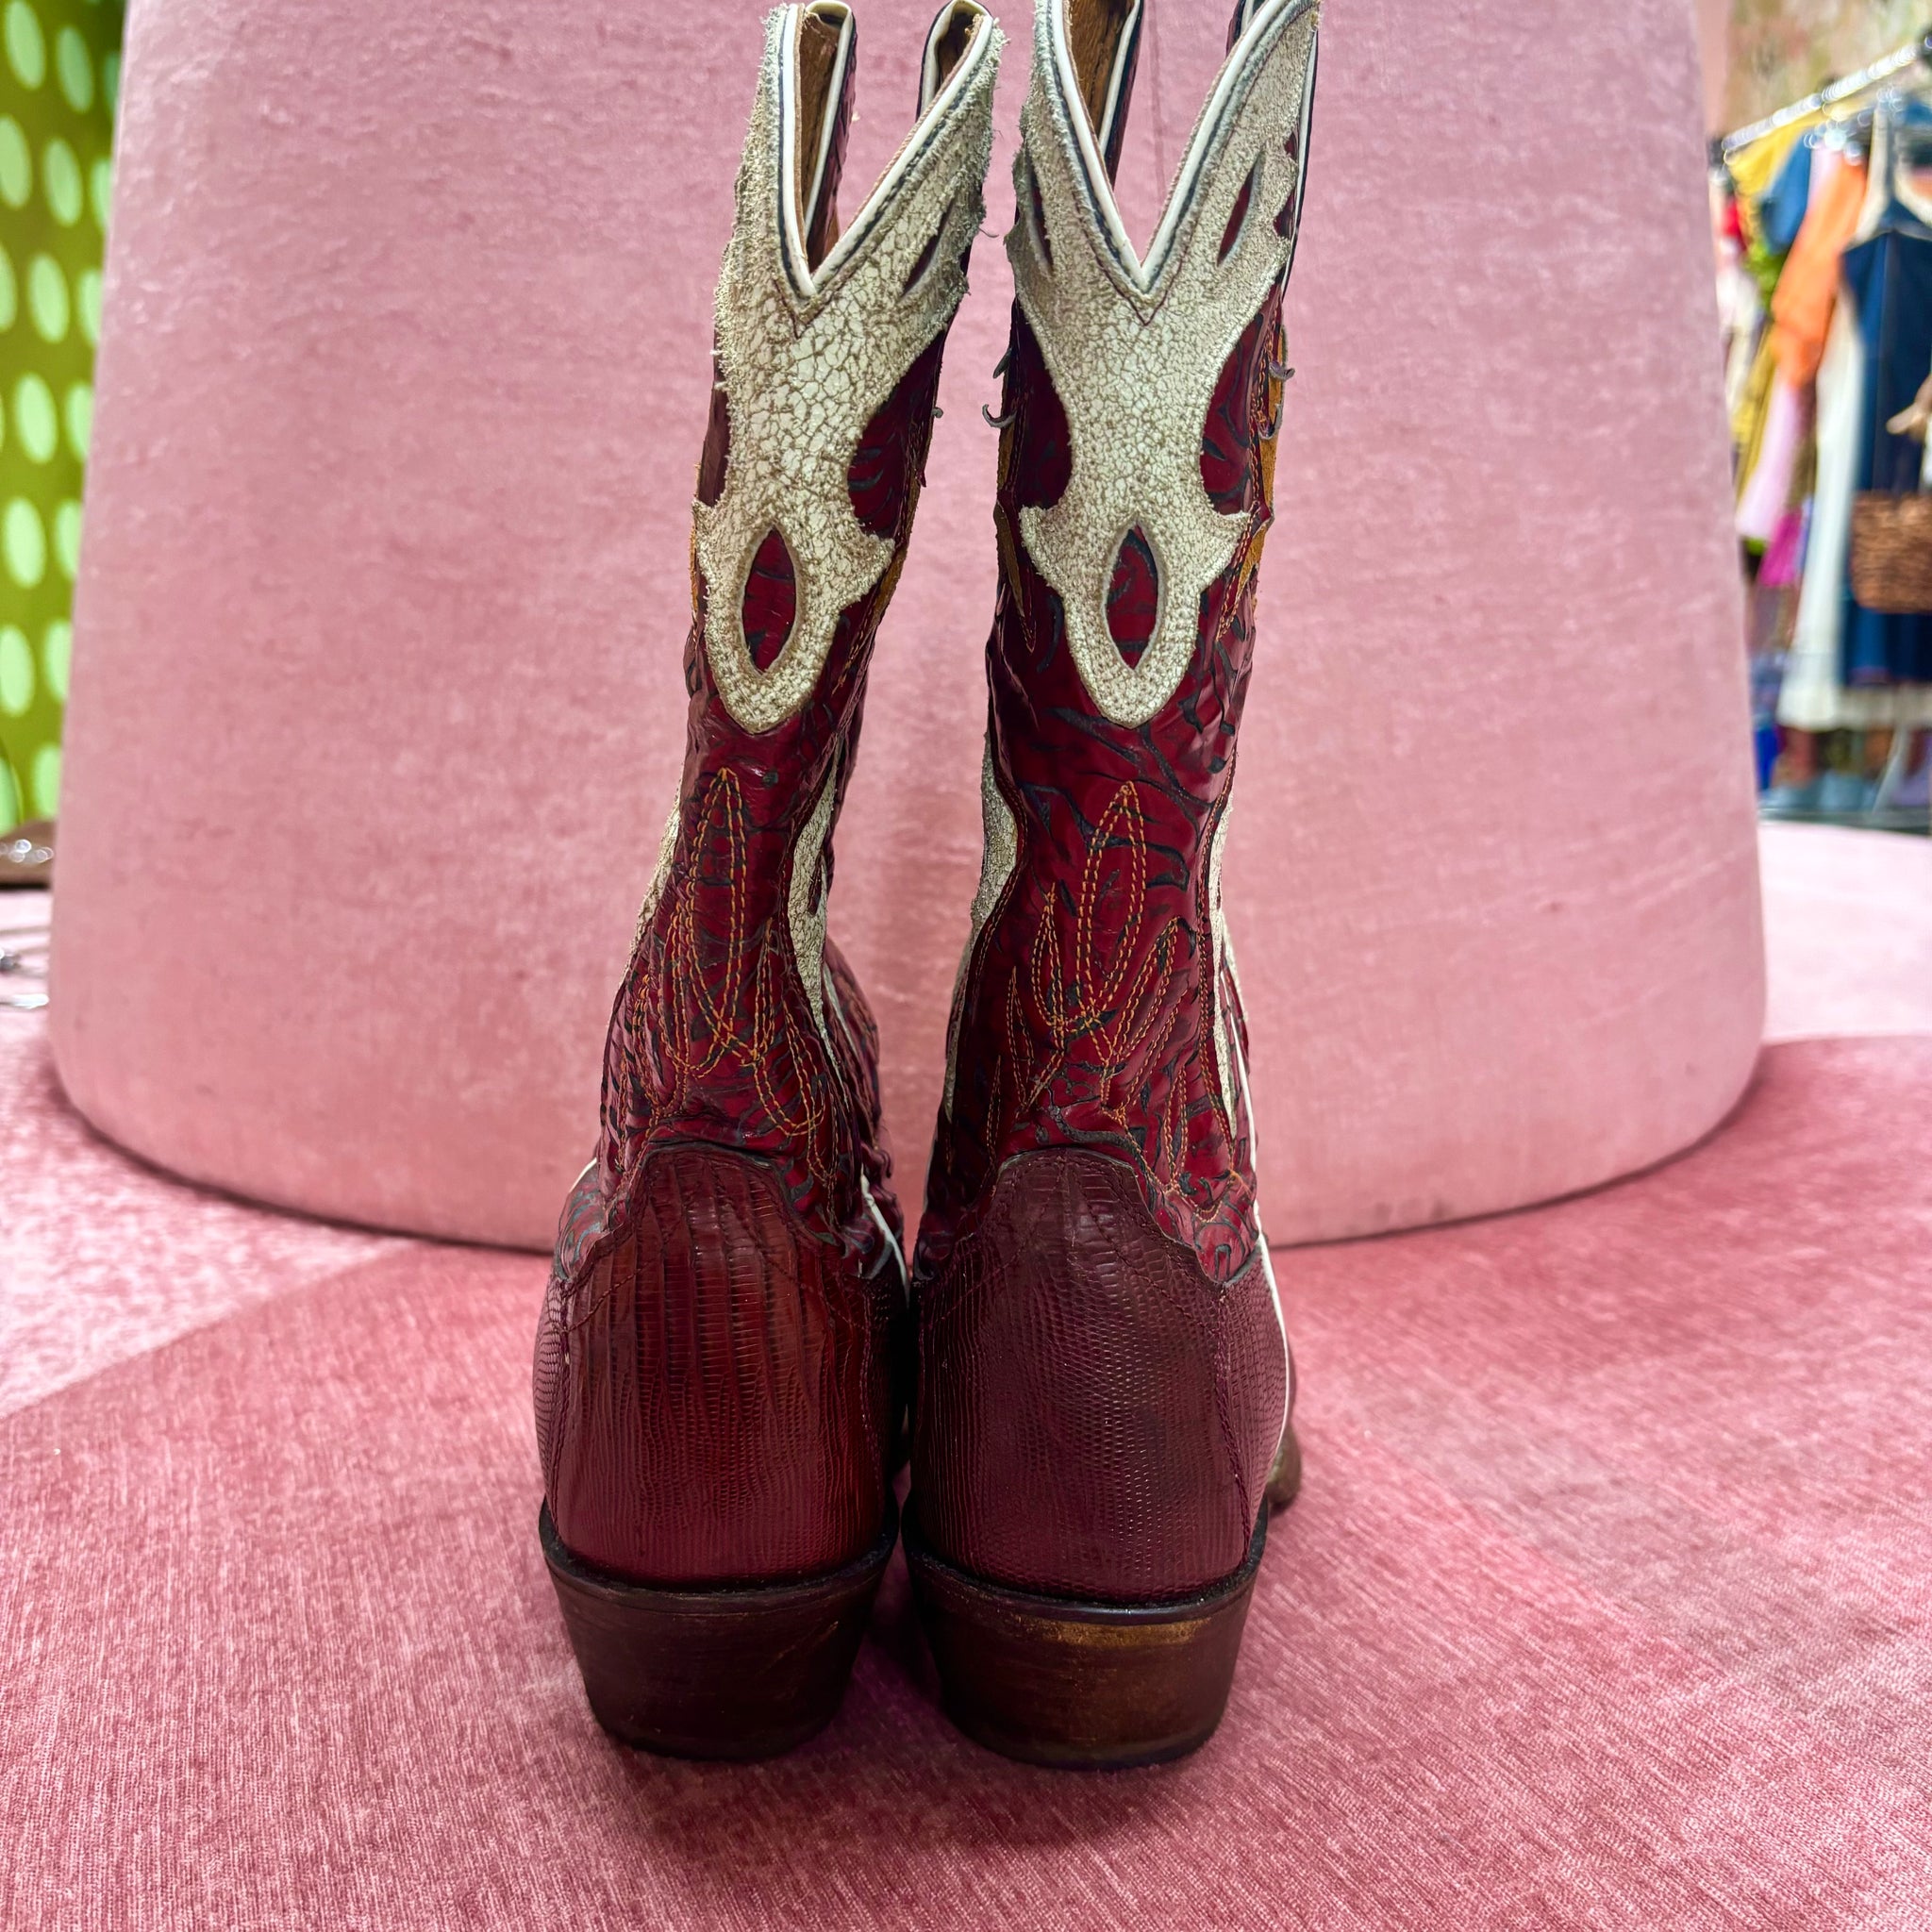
(375, 708)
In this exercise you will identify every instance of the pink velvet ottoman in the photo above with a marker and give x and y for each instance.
(376, 697)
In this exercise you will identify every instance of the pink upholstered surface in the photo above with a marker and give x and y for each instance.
(1848, 932)
(100, 1259)
(1849, 924)
(375, 695)
(1605, 1603)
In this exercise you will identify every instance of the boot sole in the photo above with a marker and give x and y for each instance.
(1081, 1686)
(738, 1672)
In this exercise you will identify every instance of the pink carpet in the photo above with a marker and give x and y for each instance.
(1848, 932)
(1609, 1602)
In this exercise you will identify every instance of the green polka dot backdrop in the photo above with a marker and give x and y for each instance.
(59, 72)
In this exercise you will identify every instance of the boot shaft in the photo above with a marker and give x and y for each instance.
(1103, 1379)
(1097, 1004)
(731, 1026)
(720, 1368)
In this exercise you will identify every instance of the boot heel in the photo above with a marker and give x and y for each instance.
(733, 1673)
(1084, 1686)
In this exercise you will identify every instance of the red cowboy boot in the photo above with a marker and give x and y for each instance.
(1104, 1381)
(717, 1392)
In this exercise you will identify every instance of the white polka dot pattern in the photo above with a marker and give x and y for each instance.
(58, 78)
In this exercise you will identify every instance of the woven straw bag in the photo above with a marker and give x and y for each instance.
(1892, 531)
(1891, 551)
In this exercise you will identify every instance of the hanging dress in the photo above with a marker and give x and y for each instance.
(1801, 311)
(1785, 203)
(1808, 291)
(1888, 276)
(1754, 171)
(1813, 696)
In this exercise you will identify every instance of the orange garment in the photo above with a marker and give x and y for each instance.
(1808, 291)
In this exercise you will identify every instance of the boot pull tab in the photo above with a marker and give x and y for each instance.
(1245, 12)
(827, 76)
(946, 42)
(1104, 39)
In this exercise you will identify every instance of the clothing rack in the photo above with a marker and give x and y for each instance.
(1853, 84)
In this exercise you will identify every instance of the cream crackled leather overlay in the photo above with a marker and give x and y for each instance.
(808, 357)
(1134, 351)
(804, 904)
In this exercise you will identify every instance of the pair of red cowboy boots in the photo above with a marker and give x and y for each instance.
(1086, 1357)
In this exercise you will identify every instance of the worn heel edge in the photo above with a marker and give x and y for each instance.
(1081, 1685)
(736, 1672)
